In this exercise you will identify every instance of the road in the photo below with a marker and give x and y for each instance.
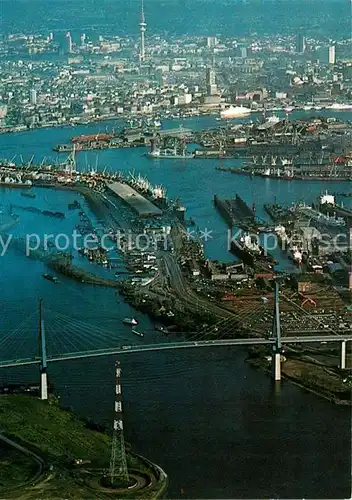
(185, 293)
(30, 454)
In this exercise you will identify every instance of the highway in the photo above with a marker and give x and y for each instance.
(130, 349)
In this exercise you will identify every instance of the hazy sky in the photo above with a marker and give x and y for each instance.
(228, 17)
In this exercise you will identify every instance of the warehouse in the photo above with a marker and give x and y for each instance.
(140, 205)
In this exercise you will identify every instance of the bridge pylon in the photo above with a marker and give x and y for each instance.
(277, 347)
(343, 355)
(43, 364)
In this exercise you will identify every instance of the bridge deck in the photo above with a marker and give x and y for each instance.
(129, 349)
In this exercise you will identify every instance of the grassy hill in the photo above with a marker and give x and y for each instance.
(58, 437)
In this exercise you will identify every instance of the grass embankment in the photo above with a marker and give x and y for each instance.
(326, 381)
(58, 437)
(57, 433)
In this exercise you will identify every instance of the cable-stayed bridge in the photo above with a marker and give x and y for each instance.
(57, 337)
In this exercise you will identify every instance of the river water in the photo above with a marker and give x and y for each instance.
(218, 427)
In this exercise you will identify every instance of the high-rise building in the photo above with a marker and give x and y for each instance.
(33, 97)
(68, 43)
(3, 111)
(211, 82)
(244, 52)
(83, 39)
(300, 44)
(142, 28)
(211, 79)
(332, 54)
(211, 42)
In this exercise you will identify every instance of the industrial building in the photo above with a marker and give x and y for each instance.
(139, 204)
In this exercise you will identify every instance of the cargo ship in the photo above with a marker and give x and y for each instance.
(178, 152)
(234, 112)
(90, 138)
(17, 182)
(248, 250)
(169, 154)
(332, 171)
(334, 213)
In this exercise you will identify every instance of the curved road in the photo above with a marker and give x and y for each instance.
(30, 454)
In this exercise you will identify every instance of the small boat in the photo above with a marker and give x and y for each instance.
(130, 321)
(28, 195)
(58, 215)
(50, 278)
(74, 205)
(140, 334)
(161, 328)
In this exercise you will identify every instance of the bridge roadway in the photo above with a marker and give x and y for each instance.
(174, 345)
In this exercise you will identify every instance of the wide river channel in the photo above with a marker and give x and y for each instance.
(218, 427)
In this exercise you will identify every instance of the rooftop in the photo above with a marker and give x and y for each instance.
(137, 202)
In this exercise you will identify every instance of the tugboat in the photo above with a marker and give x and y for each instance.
(140, 334)
(50, 278)
(130, 321)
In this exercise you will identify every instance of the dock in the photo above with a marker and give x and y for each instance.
(235, 211)
(138, 203)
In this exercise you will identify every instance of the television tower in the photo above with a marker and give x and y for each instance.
(118, 462)
(143, 26)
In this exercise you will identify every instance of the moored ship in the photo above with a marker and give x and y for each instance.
(14, 182)
(177, 152)
(326, 169)
(235, 112)
(89, 138)
(248, 249)
(168, 154)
